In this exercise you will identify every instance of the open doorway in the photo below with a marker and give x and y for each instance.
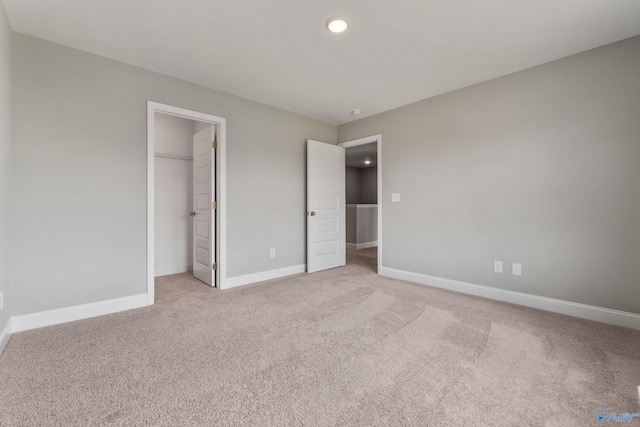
(174, 193)
(176, 209)
(363, 199)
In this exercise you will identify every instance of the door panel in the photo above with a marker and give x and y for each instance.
(326, 239)
(204, 239)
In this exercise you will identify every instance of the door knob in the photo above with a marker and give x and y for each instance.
(312, 213)
(192, 213)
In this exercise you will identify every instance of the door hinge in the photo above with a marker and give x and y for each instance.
(214, 144)
(214, 266)
(214, 205)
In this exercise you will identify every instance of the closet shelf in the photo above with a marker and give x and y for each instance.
(172, 156)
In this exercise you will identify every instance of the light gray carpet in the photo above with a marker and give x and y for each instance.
(336, 348)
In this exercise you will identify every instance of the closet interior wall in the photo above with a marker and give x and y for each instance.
(173, 193)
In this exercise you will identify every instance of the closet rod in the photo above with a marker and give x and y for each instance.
(173, 156)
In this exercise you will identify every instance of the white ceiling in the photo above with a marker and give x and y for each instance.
(279, 52)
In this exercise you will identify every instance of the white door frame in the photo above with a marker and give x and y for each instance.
(368, 140)
(221, 193)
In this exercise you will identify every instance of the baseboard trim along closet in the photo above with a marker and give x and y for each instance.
(247, 279)
(359, 246)
(584, 311)
(5, 335)
(167, 271)
(76, 312)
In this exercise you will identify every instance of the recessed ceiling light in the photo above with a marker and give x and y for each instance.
(367, 162)
(356, 112)
(336, 25)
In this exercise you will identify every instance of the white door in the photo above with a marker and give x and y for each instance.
(326, 238)
(204, 224)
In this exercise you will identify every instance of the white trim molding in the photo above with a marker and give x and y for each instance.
(221, 189)
(584, 311)
(5, 335)
(362, 206)
(365, 245)
(76, 312)
(247, 279)
(175, 269)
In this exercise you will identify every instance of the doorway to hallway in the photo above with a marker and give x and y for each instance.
(363, 201)
(366, 258)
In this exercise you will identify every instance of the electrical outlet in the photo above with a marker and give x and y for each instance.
(516, 269)
(272, 252)
(497, 266)
(1, 300)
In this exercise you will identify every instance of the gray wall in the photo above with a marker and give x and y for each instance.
(5, 162)
(351, 224)
(198, 126)
(352, 185)
(80, 176)
(540, 167)
(362, 224)
(369, 185)
(367, 225)
(174, 135)
(173, 194)
(361, 185)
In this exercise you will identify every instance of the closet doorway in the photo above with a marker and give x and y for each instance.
(185, 195)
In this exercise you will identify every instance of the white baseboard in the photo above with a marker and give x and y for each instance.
(362, 245)
(166, 271)
(5, 335)
(247, 279)
(584, 311)
(76, 312)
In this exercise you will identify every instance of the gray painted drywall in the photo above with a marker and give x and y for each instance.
(369, 185)
(362, 223)
(367, 224)
(173, 194)
(351, 224)
(79, 156)
(5, 164)
(198, 126)
(173, 135)
(539, 167)
(352, 185)
(361, 185)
